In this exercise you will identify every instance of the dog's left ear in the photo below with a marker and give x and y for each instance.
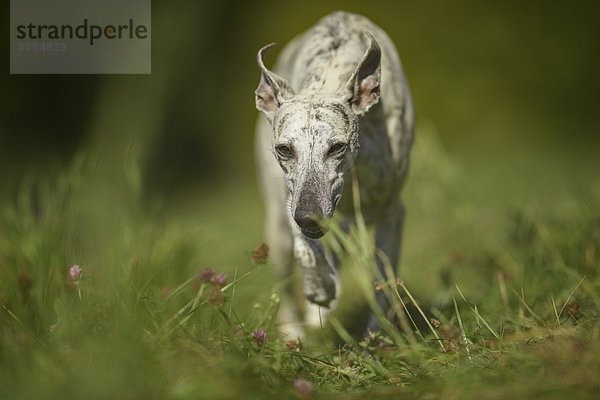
(362, 90)
(272, 90)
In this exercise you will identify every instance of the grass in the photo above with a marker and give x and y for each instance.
(510, 295)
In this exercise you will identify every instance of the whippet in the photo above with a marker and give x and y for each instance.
(344, 105)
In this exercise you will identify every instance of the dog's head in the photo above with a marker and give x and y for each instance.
(315, 137)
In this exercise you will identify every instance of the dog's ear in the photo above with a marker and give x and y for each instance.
(362, 90)
(272, 90)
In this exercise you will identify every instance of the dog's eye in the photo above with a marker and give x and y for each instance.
(336, 150)
(284, 151)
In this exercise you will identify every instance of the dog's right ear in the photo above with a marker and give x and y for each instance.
(272, 90)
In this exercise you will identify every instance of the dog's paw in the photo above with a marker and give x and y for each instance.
(320, 290)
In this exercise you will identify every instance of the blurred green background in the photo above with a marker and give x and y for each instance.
(506, 95)
(511, 75)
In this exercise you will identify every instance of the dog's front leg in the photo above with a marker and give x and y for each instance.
(318, 272)
(388, 238)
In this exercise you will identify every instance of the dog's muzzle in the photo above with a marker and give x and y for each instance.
(309, 223)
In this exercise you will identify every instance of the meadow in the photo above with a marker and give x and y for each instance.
(181, 304)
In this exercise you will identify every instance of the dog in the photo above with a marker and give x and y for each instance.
(337, 105)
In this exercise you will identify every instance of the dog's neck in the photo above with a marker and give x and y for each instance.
(327, 65)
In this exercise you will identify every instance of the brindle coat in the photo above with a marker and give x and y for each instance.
(345, 104)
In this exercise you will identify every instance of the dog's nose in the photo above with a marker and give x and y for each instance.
(308, 221)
